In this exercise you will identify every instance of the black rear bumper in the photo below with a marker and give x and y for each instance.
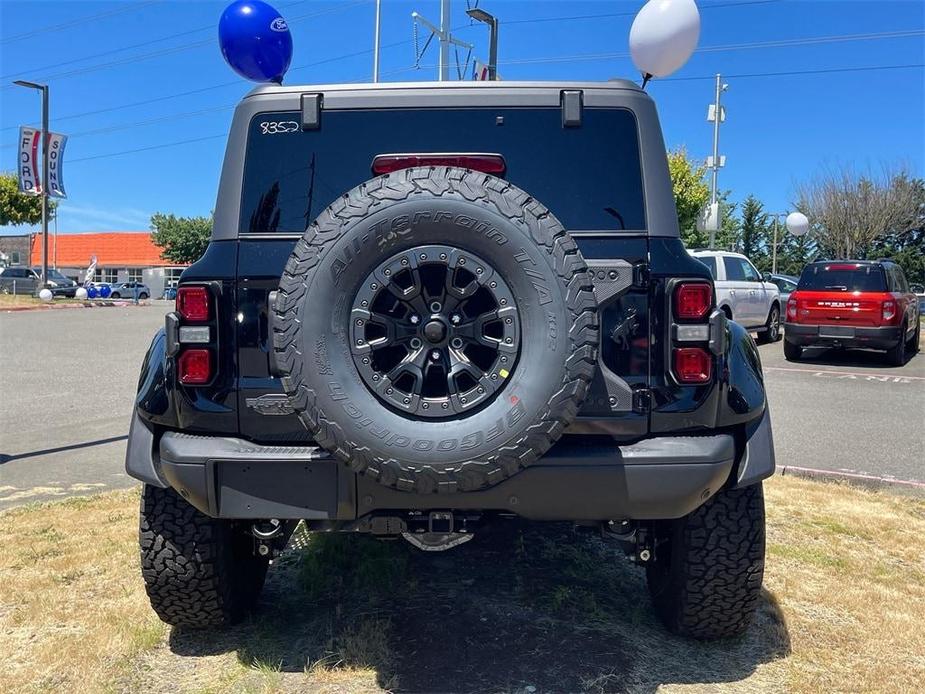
(579, 479)
(842, 336)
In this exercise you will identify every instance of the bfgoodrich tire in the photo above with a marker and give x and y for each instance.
(198, 571)
(416, 223)
(705, 580)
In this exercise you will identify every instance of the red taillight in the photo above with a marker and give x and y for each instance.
(195, 367)
(791, 308)
(692, 300)
(193, 303)
(692, 365)
(486, 163)
(889, 309)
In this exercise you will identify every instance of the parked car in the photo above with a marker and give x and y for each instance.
(472, 327)
(170, 293)
(785, 285)
(58, 283)
(919, 291)
(19, 280)
(129, 290)
(743, 294)
(853, 303)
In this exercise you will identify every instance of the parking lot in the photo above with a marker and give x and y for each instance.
(68, 378)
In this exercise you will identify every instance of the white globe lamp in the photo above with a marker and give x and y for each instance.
(797, 224)
(46, 295)
(663, 36)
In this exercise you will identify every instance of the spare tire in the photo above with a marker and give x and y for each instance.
(436, 329)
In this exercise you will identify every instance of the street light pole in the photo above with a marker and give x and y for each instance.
(481, 15)
(376, 41)
(45, 136)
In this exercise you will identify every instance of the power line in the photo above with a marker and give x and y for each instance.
(209, 27)
(177, 49)
(632, 13)
(76, 22)
(407, 69)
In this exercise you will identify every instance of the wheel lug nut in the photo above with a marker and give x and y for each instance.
(414, 319)
(454, 319)
(435, 355)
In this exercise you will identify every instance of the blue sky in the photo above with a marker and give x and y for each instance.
(105, 57)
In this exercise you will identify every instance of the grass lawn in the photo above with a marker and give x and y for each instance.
(529, 609)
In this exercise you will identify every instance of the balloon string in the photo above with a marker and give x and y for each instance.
(645, 79)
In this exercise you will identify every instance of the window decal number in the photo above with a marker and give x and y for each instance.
(278, 127)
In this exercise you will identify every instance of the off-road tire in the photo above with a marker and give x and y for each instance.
(896, 355)
(198, 571)
(792, 352)
(550, 400)
(705, 579)
(771, 331)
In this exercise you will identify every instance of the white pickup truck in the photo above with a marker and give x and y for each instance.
(742, 294)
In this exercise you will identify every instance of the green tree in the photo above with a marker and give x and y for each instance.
(183, 239)
(690, 194)
(18, 208)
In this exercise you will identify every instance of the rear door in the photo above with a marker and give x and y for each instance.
(740, 284)
(590, 176)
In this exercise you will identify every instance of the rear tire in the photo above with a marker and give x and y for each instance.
(792, 352)
(198, 571)
(771, 332)
(896, 355)
(705, 581)
(913, 346)
(142, 296)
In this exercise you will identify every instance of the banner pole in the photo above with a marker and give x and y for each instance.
(46, 136)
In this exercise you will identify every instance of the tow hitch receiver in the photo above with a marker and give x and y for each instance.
(438, 531)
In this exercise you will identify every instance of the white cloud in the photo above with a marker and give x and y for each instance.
(90, 218)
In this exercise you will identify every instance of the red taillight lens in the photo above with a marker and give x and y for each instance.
(791, 308)
(889, 309)
(486, 163)
(193, 303)
(692, 365)
(195, 367)
(692, 300)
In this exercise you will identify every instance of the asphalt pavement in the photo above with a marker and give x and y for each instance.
(68, 379)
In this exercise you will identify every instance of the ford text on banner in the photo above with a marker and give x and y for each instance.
(29, 180)
(56, 145)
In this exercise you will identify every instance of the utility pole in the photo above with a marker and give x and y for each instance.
(376, 41)
(717, 115)
(45, 137)
(444, 37)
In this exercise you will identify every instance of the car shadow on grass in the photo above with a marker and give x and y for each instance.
(527, 609)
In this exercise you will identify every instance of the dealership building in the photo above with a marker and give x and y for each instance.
(121, 256)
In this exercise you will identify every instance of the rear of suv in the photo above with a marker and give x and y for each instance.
(428, 308)
(853, 304)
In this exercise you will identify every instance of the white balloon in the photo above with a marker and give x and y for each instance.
(797, 223)
(46, 295)
(81, 294)
(664, 35)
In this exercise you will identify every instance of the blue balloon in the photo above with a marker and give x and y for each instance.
(105, 291)
(91, 292)
(255, 41)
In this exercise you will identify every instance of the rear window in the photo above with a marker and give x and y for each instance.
(843, 277)
(590, 177)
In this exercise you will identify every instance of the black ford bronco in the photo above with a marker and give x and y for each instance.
(430, 307)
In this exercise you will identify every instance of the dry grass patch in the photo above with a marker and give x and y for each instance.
(526, 610)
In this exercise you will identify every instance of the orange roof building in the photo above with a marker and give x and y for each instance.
(113, 249)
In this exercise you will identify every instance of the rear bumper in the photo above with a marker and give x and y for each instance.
(841, 336)
(579, 479)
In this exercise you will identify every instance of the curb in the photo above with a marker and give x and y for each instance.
(60, 307)
(857, 479)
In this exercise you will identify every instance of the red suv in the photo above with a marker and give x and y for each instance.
(853, 303)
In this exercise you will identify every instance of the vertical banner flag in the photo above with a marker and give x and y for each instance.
(88, 277)
(30, 182)
(56, 145)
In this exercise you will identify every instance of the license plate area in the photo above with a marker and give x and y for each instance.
(836, 331)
